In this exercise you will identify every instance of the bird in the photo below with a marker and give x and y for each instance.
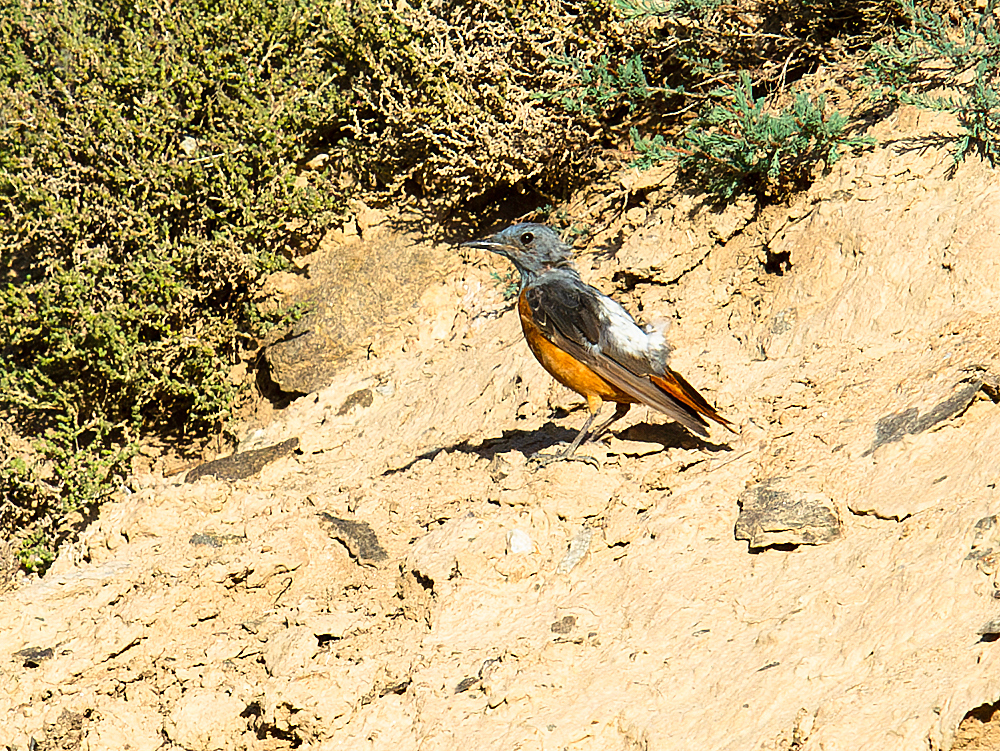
(588, 342)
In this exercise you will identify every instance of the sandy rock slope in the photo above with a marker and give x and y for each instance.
(822, 580)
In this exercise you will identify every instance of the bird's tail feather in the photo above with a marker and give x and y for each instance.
(675, 385)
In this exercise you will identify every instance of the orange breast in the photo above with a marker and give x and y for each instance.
(564, 368)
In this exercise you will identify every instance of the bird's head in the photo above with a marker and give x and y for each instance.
(532, 248)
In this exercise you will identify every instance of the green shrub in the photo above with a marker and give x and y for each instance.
(739, 145)
(932, 53)
(683, 9)
(691, 47)
(147, 185)
(446, 106)
(599, 88)
(678, 52)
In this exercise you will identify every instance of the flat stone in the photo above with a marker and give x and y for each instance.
(244, 464)
(352, 290)
(911, 421)
(772, 515)
(357, 536)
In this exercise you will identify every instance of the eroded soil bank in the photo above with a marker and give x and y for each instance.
(401, 578)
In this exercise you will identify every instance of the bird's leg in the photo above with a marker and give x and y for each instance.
(580, 436)
(621, 409)
(594, 404)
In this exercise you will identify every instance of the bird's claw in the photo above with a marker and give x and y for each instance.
(543, 460)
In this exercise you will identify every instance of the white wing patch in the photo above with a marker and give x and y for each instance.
(659, 347)
(620, 333)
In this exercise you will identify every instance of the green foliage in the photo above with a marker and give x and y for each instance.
(694, 55)
(508, 282)
(598, 88)
(652, 151)
(663, 8)
(933, 53)
(690, 47)
(738, 144)
(148, 183)
(36, 552)
(575, 231)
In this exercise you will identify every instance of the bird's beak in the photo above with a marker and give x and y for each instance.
(487, 243)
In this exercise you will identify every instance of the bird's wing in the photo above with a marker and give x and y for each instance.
(569, 314)
(562, 305)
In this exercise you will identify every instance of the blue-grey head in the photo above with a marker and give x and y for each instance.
(533, 248)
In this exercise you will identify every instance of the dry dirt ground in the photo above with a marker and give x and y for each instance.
(404, 579)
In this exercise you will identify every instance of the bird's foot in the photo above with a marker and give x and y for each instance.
(543, 460)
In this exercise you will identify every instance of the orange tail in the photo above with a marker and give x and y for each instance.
(675, 385)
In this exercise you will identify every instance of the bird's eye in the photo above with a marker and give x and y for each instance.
(526, 238)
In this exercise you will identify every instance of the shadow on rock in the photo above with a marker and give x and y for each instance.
(550, 435)
(669, 435)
